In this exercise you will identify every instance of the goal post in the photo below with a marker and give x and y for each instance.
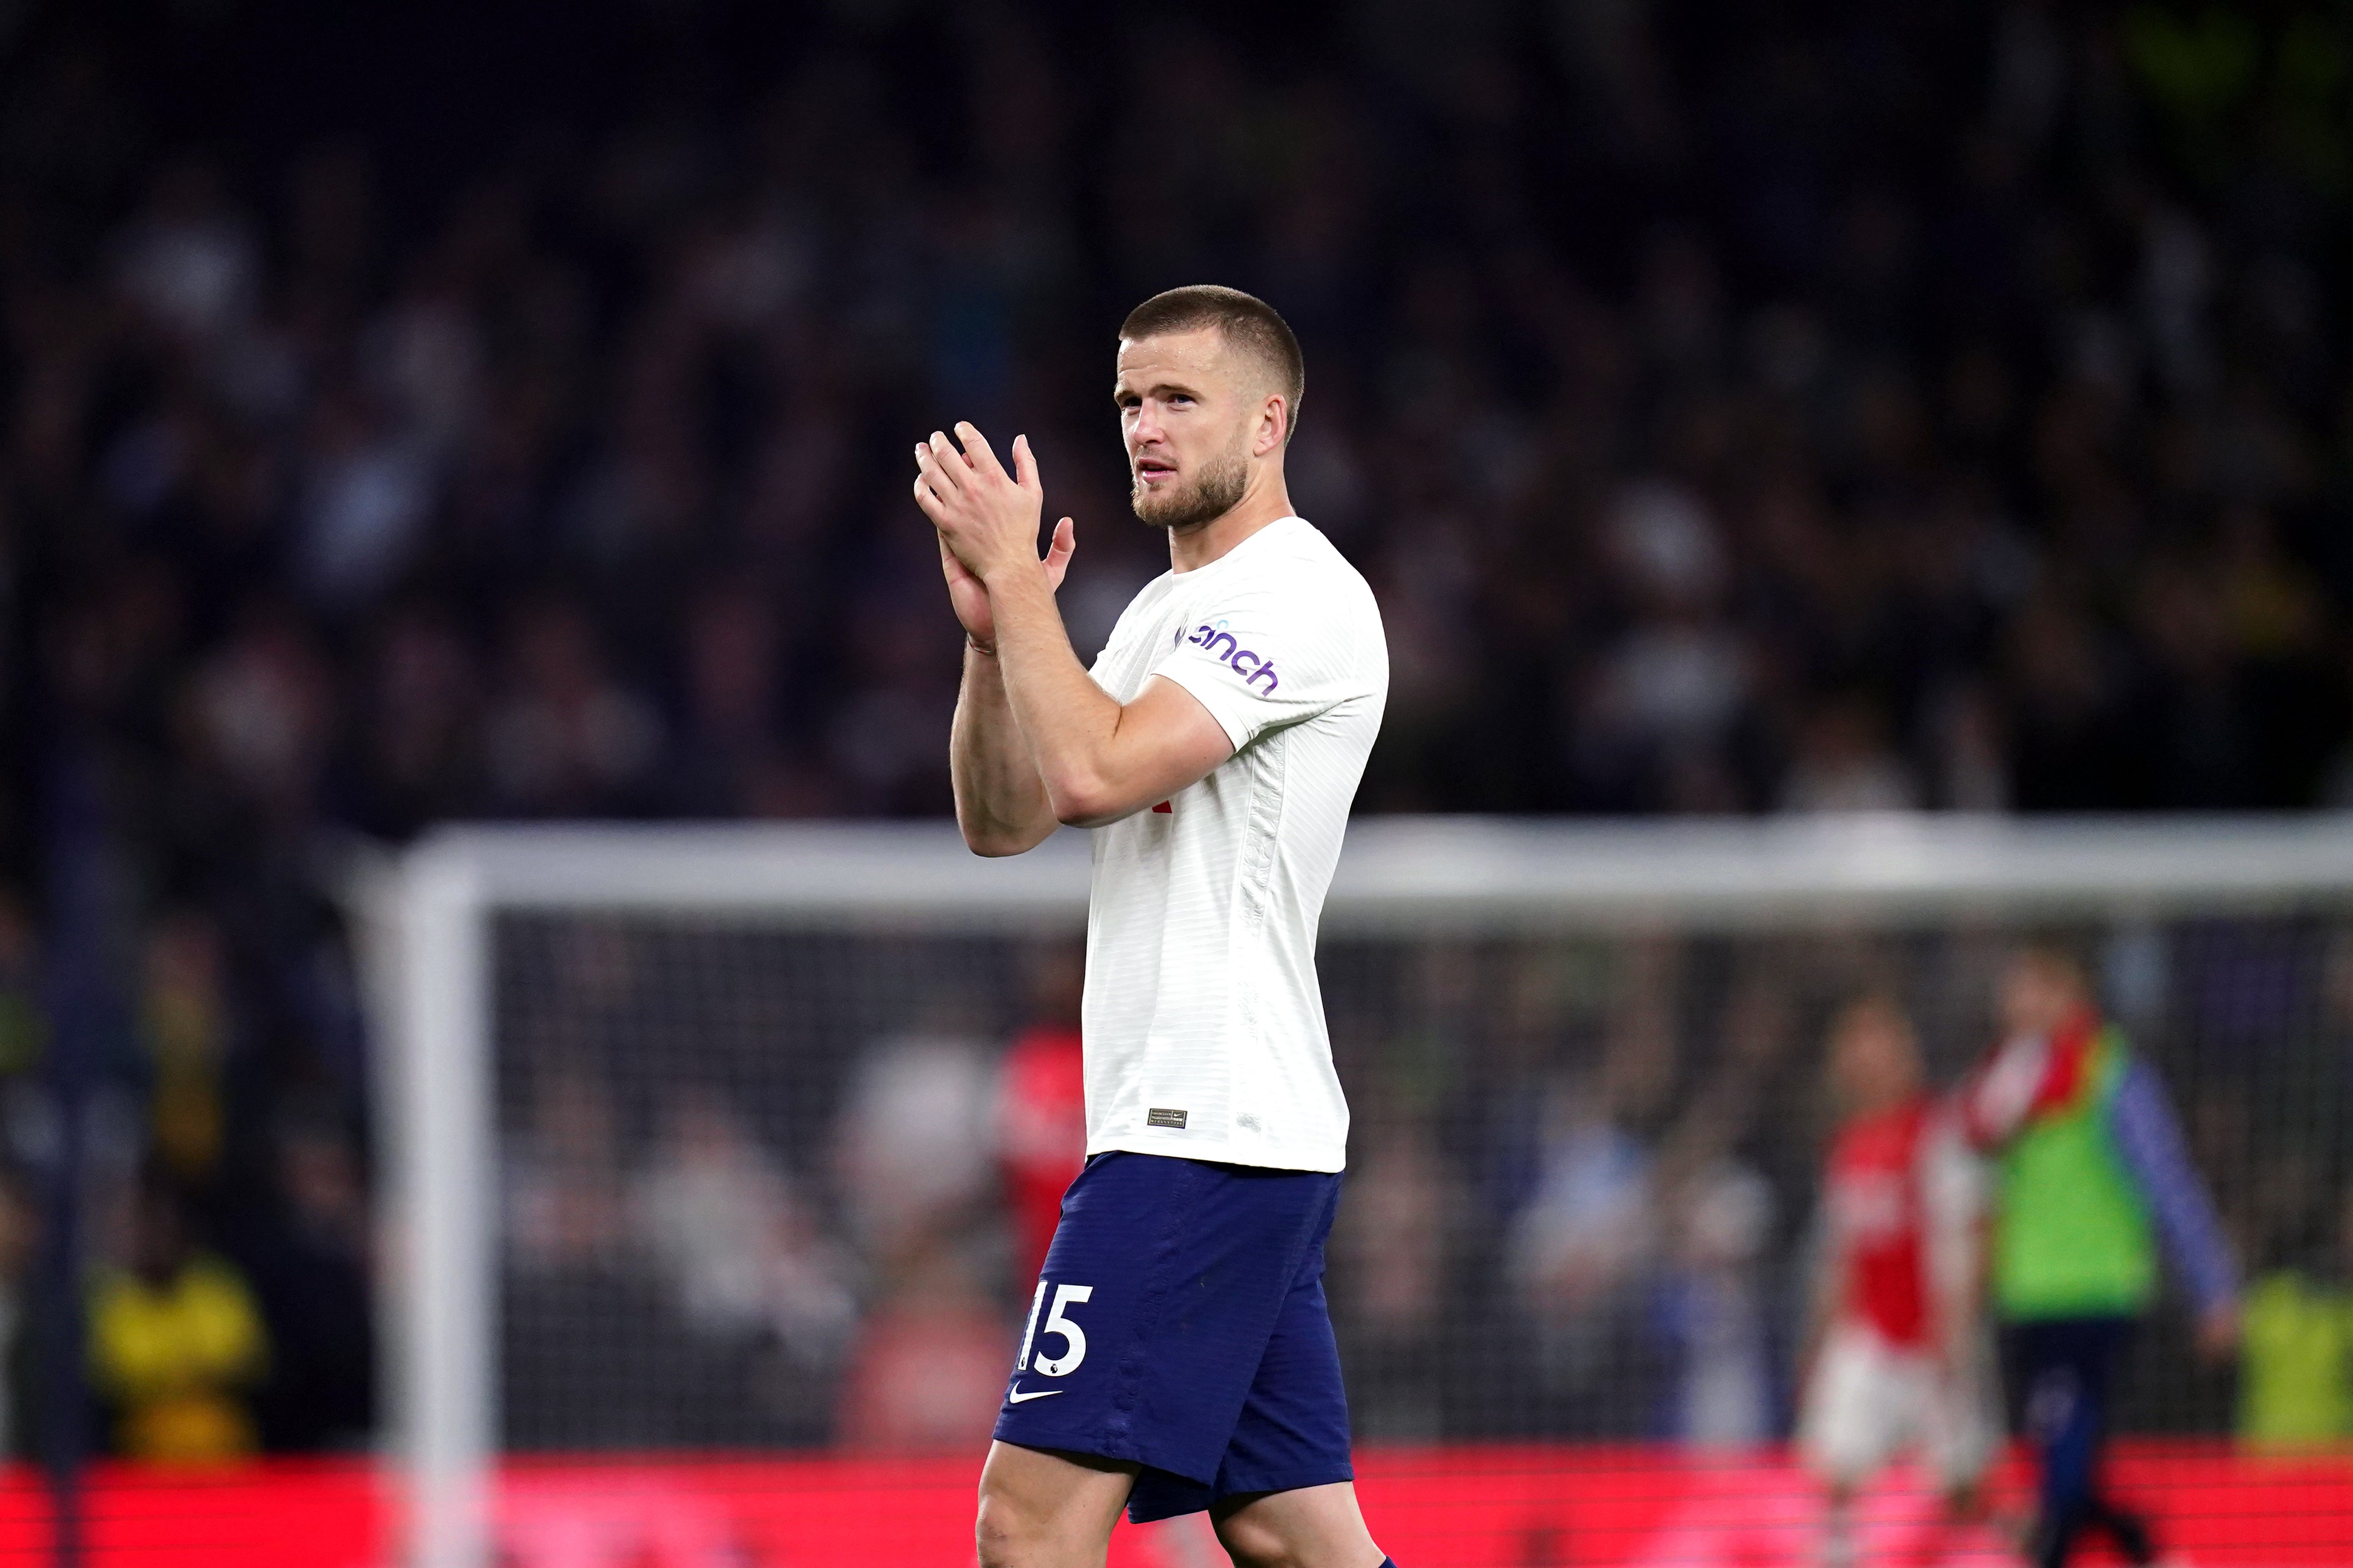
(480, 941)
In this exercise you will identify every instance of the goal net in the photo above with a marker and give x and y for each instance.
(717, 1162)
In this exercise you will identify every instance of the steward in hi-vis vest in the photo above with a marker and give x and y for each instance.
(2093, 1173)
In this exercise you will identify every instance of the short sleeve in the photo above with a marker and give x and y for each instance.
(1270, 656)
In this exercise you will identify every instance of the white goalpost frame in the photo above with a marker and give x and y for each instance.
(424, 919)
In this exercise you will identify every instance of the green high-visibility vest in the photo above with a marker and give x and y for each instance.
(2072, 1236)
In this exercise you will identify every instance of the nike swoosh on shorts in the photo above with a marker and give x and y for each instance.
(1017, 1397)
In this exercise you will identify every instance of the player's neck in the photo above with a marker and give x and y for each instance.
(1264, 502)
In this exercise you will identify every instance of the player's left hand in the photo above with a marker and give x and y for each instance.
(987, 517)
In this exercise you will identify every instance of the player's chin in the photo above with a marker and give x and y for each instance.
(1167, 504)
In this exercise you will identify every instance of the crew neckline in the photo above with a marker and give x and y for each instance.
(1280, 523)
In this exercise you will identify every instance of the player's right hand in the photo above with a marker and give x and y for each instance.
(969, 596)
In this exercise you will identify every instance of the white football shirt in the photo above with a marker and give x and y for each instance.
(1203, 1018)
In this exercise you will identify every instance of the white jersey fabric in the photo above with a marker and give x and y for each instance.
(1203, 1018)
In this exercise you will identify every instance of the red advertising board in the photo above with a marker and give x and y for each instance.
(1536, 1506)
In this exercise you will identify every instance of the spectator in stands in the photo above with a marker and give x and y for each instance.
(2093, 1173)
(20, 1232)
(185, 1021)
(724, 1221)
(22, 1026)
(2295, 1378)
(177, 1341)
(563, 1202)
(1711, 1308)
(307, 1258)
(912, 1147)
(573, 1284)
(1395, 1250)
(1580, 1254)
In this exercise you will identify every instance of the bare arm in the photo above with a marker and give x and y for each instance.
(1096, 760)
(1001, 803)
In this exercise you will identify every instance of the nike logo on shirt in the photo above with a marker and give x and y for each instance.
(1017, 1397)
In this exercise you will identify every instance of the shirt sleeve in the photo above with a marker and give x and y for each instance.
(2150, 1140)
(1994, 1102)
(1271, 657)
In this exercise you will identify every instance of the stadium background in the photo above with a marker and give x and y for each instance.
(441, 412)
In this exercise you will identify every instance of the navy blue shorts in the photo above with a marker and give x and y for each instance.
(1180, 1325)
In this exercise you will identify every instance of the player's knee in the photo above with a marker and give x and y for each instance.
(1007, 1535)
(1253, 1547)
(1254, 1543)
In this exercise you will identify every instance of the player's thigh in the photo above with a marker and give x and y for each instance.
(1293, 1432)
(1048, 1509)
(1308, 1527)
(1858, 1410)
(1967, 1427)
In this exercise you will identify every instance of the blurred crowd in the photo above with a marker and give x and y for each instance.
(1585, 1193)
(1738, 409)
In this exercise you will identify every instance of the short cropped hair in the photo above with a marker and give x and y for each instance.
(1247, 323)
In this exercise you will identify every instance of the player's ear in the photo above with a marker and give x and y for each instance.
(1273, 424)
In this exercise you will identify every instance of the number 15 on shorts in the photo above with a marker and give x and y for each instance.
(1074, 1338)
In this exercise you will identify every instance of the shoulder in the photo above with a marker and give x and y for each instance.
(1307, 552)
(1302, 576)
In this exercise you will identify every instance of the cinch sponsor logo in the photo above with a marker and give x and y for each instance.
(1221, 647)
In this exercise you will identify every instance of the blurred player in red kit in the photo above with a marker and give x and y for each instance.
(1897, 1358)
(1042, 1107)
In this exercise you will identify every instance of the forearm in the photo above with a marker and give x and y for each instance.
(1001, 804)
(1070, 724)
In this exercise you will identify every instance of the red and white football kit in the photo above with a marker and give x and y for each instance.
(1901, 1364)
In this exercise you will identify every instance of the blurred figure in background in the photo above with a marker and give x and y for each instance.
(913, 1155)
(20, 1232)
(1711, 1306)
(562, 1177)
(1392, 1257)
(928, 1368)
(2295, 1378)
(1041, 1107)
(1585, 1248)
(309, 1262)
(176, 1343)
(1719, 1217)
(2092, 1171)
(725, 1222)
(571, 1277)
(185, 1024)
(912, 1149)
(1894, 1357)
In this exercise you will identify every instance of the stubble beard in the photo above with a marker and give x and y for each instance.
(1217, 491)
